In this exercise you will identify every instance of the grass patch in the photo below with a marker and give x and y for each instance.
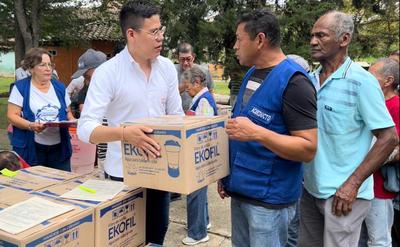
(5, 84)
(3, 113)
(221, 87)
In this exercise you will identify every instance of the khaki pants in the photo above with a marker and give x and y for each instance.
(319, 227)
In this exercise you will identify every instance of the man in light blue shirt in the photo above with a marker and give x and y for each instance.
(351, 109)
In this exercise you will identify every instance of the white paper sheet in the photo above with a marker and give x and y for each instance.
(105, 190)
(24, 215)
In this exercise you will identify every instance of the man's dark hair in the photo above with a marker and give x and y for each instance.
(9, 160)
(134, 12)
(184, 48)
(261, 21)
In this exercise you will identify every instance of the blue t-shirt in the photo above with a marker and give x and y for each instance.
(350, 105)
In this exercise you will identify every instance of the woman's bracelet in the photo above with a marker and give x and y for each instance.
(29, 126)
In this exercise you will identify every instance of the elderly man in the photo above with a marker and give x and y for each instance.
(186, 58)
(136, 83)
(380, 217)
(351, 109)
(272, 131)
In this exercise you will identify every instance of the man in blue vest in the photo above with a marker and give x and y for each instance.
(272, 131)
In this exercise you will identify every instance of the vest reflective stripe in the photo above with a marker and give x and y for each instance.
(257, 172)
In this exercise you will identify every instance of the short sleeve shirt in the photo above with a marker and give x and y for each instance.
(350, 105)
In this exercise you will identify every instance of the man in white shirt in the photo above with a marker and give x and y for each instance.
(136, 83)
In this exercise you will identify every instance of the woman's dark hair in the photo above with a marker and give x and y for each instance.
(261, 21)
(9, 160)
(33, 57)
(134, 12)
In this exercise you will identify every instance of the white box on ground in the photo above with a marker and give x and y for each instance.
(194, 153)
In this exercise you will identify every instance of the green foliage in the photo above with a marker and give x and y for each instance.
(3, 112)
(221, 87)
(5, 84)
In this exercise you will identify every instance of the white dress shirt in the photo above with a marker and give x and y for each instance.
(120, 91)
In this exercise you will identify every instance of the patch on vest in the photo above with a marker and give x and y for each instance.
(258, 114)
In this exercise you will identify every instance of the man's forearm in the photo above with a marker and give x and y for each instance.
(106, 134)
(291, 147)
(386, 141)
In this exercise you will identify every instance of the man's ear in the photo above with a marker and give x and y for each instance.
(194, 56)
(388, 81)
(130, 33)
(345, 40)
(261, 39)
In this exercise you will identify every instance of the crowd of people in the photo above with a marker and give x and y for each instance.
(314, 155)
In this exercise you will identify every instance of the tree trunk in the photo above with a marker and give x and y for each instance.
(22, 24)
(35, 23)
(19, 45)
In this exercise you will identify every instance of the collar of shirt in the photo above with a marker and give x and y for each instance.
(340, 73)
(131, 60)
(205, 89)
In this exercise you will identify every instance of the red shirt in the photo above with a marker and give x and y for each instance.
(392, 105)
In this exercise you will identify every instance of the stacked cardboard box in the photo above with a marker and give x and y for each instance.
(117, 222)
(36, 177)
(74, 228)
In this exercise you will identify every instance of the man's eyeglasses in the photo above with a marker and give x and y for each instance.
(185, 59)
(155, 33)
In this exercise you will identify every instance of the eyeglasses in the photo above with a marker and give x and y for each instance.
(155, 33)
(45, 65)
(185, 59)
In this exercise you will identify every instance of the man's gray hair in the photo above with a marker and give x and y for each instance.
(191, 74)
(389, 67)
(343, 23)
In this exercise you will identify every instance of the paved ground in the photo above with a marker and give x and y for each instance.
(219, 217)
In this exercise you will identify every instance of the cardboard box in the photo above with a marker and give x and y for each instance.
(52, 173)
(119, 222)
(194, 153)
(36, 177)
(74, 228)
(224, 110)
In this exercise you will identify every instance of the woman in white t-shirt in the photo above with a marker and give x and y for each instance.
(34, 101)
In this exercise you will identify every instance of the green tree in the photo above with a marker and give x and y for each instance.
(29, 22)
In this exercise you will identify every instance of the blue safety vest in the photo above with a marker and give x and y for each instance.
(255, 171)
(208, 96)
(23, 141)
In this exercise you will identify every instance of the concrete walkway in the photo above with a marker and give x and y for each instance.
(220, 219)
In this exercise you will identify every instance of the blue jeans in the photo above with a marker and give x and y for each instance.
(256, 226)
(49, 155)
(378, 224)
(294, 228)
(157, 213)
(197, 214)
